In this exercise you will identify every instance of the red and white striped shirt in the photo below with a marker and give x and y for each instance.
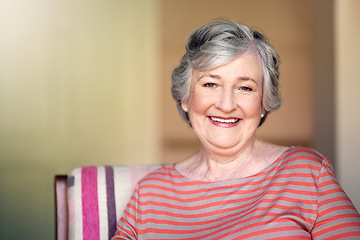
(297, 197)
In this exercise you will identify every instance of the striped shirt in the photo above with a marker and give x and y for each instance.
(296, 197)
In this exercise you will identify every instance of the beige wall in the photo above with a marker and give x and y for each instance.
(347, 85)
(78, 86)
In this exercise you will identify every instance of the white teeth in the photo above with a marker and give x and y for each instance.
(232, 120)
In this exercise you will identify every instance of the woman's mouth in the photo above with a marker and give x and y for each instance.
(224, 122)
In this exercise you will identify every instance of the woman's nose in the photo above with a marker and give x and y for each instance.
(226, 101)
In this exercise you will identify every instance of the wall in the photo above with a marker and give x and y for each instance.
(347, 85)
(78, 86)
(324, 84)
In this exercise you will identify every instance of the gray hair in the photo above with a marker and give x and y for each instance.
(218, 43)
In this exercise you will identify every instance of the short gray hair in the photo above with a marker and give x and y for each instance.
(218, 43)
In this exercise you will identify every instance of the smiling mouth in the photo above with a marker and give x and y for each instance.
(222, 120)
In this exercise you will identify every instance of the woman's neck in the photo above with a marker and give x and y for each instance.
(207, 166)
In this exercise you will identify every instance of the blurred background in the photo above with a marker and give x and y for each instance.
(88, 83)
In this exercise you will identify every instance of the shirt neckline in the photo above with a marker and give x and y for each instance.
(260, 173)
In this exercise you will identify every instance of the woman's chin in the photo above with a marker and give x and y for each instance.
(223, 144)
(226, 143)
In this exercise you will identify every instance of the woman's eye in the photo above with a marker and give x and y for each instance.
(246, 89)
(210, 85)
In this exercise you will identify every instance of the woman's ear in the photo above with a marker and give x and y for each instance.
(184, 106)
(262, 111)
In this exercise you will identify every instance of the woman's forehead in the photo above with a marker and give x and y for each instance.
(244, 67)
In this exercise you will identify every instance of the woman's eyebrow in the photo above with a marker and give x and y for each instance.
(210, 76)
(247, 79)
(215, 76)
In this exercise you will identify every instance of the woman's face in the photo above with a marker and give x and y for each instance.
(224, 105)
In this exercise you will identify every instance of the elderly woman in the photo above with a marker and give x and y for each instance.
(236, 186)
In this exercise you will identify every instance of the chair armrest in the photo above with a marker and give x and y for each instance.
(61, 206)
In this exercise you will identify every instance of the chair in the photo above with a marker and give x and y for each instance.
(90, 200)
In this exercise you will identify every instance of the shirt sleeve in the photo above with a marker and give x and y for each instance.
(337, 217)
(126, 228)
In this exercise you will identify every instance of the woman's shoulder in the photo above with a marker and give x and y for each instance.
(300, 156)
(296, 151)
